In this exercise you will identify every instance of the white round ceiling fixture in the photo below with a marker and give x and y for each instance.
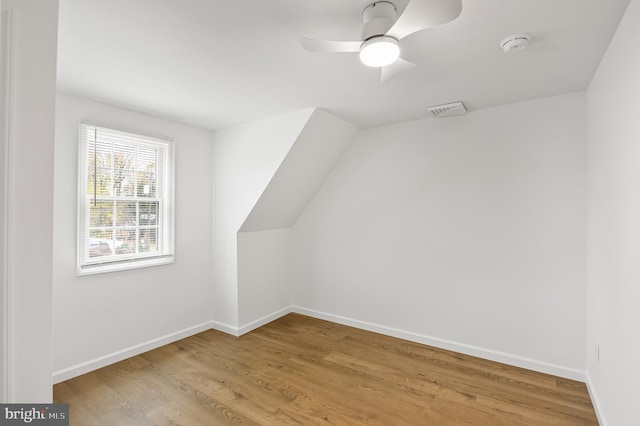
(379, 51)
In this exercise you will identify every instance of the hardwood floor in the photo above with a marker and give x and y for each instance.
(303, 371)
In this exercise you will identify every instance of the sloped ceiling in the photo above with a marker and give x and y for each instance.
(315, 152)
(219, 63)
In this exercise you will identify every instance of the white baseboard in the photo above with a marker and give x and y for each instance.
(489, 354)
(594, 400)
(239, 331)
(505, 358)
(264, 320)
(103, 361)
(225, 328)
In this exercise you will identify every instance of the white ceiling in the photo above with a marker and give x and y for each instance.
(216, 63)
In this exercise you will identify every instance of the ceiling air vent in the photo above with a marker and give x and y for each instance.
(447, 110)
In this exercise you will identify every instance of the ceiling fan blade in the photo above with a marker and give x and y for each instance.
(313, 45)
(422, 14)
(393, 70)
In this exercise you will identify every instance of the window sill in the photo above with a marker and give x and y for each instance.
(123, 265)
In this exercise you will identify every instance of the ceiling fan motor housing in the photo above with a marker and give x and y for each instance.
(378, 18)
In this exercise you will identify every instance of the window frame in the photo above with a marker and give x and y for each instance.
(165, 196)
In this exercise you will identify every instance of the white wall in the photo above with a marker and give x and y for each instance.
(30, 202)
(6, 38)
(264, 284)
(100, 318)
(245, 159)
(614, 226)
(466, 232)
(264, 240)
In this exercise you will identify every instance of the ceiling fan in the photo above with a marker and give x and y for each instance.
(383, 32)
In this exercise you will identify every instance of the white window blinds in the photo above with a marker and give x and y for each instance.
(126, 196)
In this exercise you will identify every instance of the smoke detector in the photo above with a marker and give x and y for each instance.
(515, 42)
(447, 110)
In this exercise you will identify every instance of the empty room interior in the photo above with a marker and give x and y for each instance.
(231, 213)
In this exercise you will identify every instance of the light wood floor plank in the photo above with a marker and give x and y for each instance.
(303, 371)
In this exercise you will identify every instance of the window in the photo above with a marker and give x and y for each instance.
(125, 200)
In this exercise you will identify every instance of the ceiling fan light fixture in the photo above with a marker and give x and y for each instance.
(379, 51)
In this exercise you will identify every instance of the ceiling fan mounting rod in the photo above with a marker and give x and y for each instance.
(378, 18)
(375, 3)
